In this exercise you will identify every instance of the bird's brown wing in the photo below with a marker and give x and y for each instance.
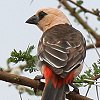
(62, 47)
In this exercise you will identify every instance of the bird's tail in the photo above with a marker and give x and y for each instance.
(52, 93)
(54, 88)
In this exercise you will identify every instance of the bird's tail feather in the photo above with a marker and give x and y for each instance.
(55, 86)
(52, 93)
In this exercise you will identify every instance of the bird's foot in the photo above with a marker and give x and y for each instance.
(39, 77)
(67, 89)
(75, 90)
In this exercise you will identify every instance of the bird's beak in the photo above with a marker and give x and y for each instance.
(33, 20)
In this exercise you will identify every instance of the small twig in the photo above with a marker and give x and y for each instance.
(31, 2)
(96, 77)
(94, 46)
(88, 90)
(97, 91)
(20, 96)
(84, 9)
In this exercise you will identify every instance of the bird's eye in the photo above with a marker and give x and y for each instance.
(41, 14)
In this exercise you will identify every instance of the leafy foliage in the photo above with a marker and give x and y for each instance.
(88, 75)
(98, 18)
(17, 56)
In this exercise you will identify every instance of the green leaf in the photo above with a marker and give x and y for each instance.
(17, 56)
(79, 2)
(88, 73)
(86, 78)
(98, 18)
(96, 68)
(79, 11)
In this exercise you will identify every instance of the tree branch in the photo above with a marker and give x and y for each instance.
(92, 46)
(80, 19)
(97, 13)
(96, 77)
(12, 78)
(74, 96)
(21, 80)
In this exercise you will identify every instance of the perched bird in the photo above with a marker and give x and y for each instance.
(61, 51)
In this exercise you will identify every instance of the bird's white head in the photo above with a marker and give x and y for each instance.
(46, 18)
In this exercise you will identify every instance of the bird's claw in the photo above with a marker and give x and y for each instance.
(76, 90)
(39, 77)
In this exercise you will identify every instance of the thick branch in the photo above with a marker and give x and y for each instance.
(80, 19)
(74, 96)
(12, 78)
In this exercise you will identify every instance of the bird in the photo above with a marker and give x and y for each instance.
(61, 51)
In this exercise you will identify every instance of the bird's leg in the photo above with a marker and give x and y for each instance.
(76, 90)
(67, 89)
(39, 77)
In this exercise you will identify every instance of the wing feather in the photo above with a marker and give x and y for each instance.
(62, 49)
